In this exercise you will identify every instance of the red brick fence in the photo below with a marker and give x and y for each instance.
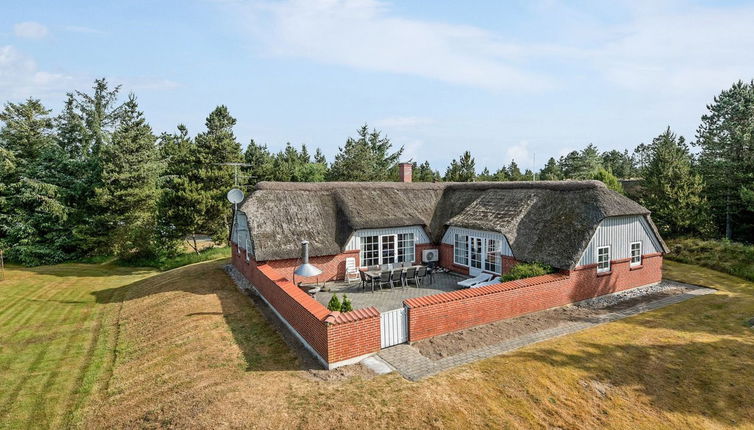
(342, 338)
(335, 338)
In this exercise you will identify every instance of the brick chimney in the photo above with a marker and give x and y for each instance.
(405, 172)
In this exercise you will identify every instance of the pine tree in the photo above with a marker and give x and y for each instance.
(514, 173)
(424, 173)
(33, 215)
(620, 164)
(365, 158)
(485, 175)
(581, 164)
(261, 163)
(671, 189)
(463, 170)
(551, 171)
(214, 147)
(100, 113)
(726, 138)
(178, 217)
(129, 193)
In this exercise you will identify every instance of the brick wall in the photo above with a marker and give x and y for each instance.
(421, 247)
(333, 266)
(446, 260)
(334, 336)
(447, 312)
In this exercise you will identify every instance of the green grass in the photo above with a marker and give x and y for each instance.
(55, 340)
(103, 346)
(730, 257)
(184, 259)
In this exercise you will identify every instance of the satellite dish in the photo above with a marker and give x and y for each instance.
(235, 196)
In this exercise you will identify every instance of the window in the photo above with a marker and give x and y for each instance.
(603, 259)
(370, 252)
(461, 250)
(492, 261)
(636, 253)
(406, 250)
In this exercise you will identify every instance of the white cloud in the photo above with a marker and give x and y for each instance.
(30, 30)
(678, 47)
(82, 29)
(20, 77)
(402, 122)
(520, 153)
(364, 34)
(146, 83)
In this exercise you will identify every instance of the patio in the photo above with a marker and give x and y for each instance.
(388, 299)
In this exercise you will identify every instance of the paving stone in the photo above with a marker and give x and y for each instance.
(409, 362)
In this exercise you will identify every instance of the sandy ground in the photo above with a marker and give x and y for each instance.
(476, 337)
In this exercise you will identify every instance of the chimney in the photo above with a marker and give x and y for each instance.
(305, 269)
(405, 172)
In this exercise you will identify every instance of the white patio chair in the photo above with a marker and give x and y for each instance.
(352, 272)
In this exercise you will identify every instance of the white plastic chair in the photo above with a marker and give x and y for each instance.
(352, 272)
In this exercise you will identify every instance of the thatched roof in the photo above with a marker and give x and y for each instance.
(546, 221)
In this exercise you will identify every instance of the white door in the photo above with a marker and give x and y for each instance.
(388, 245)
(476, 255)
(393, 327)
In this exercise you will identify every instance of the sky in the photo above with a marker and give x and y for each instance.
(506, 80)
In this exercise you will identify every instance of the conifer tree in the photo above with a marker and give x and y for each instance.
(178, 217)
(463, 170)
(514, 173)
(33, 215)
(261, 163)
(551, 171)
(671, 189)
(726, 162)
(212, 148)
(128, 194)
(424, 173)
(100, 113)
(367, 157)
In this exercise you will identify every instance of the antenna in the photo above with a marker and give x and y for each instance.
(235, 169)
(534, 167)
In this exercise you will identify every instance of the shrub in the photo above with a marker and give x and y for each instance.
(526, 270)
(734, 258)
(346, 305)
(334, 303)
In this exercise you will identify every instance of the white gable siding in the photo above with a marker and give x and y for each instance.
(449, 237)
(354, 243)
(241, 232)
(618, 233)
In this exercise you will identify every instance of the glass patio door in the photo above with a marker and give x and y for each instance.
(476, 255)
(388, 248)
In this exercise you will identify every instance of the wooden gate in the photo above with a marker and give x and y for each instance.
(393, 327)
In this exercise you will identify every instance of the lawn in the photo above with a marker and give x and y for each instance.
(102, 346)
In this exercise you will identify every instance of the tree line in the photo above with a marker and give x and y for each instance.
(96, 180)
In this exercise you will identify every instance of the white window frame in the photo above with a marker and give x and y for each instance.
(464, 251)
(406, 248)
(492, 261)
(398, 251)
(600, 267)
(636, 260)
(376, 250)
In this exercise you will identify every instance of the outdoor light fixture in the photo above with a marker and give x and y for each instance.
(306, 269)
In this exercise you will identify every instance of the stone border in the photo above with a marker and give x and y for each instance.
(413, 366)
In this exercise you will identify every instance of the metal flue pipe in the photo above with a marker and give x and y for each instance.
(306, 269)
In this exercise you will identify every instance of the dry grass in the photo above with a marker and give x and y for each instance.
(190, 351)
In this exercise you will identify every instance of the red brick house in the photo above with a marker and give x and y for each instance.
(600, 241)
